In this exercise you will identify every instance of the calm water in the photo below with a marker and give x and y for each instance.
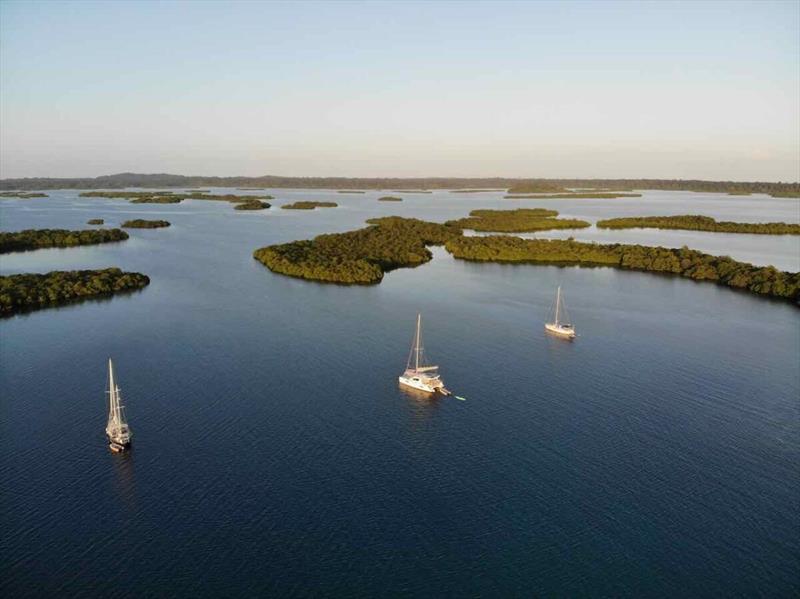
(658, 455)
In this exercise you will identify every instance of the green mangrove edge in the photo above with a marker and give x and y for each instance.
(170, 197)
(303, 205)
(522, 220)
(364, 255)
(140, 223)
(35, 239)
(26, 292)
(573, 196)
(21, 195)
(696, 222)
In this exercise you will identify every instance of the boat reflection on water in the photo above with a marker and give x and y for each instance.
(124, 478)
(420, 410)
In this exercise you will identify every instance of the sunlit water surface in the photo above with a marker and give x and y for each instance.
(657, 455)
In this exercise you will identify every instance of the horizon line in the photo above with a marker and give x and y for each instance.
(395, 178)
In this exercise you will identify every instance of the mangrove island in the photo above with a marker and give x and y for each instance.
(309, 205)
(357, 257)
(521, 220)
(20, 195)
(141, 223)
(574, 196)
(696, 222)
(251, 205)
(35, 239)
(24, 292)
(169, 197)
(364, 255)
(684, 261)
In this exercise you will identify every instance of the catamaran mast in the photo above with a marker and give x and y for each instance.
(419, 324)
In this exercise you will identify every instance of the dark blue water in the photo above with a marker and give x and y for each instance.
(657, 455)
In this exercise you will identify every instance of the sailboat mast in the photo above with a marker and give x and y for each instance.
(558, 301)
(419, 324)
(112, 388)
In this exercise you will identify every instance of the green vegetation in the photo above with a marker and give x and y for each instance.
(786, 194)
(516, 221)
(575, 196)
(350, 191)
(684, 262)
(141, 223)
(19, 293)
(411, 191)
(692, 222)
(22, 195)
(254, 205)
(363, 256)
(129, 180)
(198, 191)
(95, 221)
(537, 187)
(358, 257)
(233, 199)
(739, 193)
(599, 189)
(390, 199)
(35, 239)
(170, 199)
(309, 205)
(125, 195)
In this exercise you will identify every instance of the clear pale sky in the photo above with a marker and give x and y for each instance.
(706, 90)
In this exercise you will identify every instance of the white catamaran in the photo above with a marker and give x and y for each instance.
(563, 329)
(117, 430)
(417, 375)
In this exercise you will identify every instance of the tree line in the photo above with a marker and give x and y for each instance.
(34, 239)
(521, 220)
(123, 180)
(25, 292)
(684, 262)
(696, 222)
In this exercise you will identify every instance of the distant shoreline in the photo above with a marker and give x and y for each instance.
(126, 180)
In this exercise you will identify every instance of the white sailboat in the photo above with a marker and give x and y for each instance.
(117, 430)
(417, 375)
(563, 329)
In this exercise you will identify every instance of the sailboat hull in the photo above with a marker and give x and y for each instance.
(560, 331)
(118, 447)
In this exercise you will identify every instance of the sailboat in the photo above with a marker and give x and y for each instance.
(417, 375)
(563, 329)
(117, 430)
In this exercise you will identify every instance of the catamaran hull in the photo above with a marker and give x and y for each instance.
(420, 386)
(561, 332)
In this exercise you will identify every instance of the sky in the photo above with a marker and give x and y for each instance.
(705, 90)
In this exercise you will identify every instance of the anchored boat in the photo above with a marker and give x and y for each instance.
(562, 329)
(117, 430)
(421, 377)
